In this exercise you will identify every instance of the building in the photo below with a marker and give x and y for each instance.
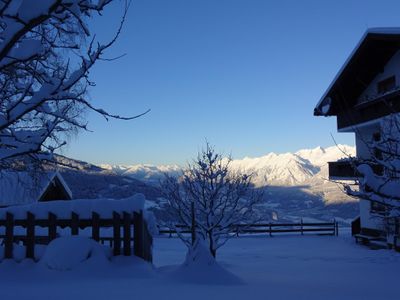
(18, 188)
(366, 89)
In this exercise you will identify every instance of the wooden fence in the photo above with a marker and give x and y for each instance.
(142, 239)
(326, 228)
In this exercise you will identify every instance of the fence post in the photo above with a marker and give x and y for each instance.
(301, 226)
(127, 233)
(138, 234)
(9, 239)
(336, 227)
(52, 230)
(117, 233)
(30, 235)
(95, 226)
(74, 223)
(147, 244)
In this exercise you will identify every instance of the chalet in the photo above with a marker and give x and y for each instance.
(366, 89)
(18, 188)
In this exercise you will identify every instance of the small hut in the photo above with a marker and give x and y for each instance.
(18, 188)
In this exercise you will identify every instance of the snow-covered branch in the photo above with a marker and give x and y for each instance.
(380, 175)
(211, 195)
(46, 53)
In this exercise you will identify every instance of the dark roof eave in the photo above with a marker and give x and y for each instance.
(382, 33)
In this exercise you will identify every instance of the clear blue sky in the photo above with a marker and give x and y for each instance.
(244, 74)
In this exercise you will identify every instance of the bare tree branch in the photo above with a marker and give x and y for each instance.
(221, 198)
(45, 59)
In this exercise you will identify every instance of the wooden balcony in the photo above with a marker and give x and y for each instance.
(371, 110)
(346, 170)
(342, 170)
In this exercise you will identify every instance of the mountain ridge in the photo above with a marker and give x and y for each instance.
(288, 168)
(295, 184)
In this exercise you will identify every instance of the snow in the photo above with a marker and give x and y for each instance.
(19, 251)
(384, 30)
(200, 267)
(290, 179)
(83, 207)
(383, 188)
(284, 267)
(24, 188)
(321, 156)
(66, 253)
(33, 115)
(277, 169)
(25, 50)
(149, 173)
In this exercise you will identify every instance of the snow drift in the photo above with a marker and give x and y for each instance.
(66, 253)
(201, 268)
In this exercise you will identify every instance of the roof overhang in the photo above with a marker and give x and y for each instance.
(57, 178)
(375, 49)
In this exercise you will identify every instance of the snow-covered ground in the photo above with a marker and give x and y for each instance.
(281, 267)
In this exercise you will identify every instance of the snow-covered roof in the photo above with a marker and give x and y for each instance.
(386, 39)
(17, 188)
(383, 30)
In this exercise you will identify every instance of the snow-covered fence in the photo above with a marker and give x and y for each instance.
(328, 228)
(127, 222)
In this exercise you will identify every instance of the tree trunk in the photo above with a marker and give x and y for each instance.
(212, 250)
(193, 229)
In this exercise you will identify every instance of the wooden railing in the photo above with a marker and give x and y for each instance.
(327, 228)
(142, 239)
(347, 169)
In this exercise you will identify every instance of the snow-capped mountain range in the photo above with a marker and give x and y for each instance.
(150, 174)
(308, 166)
(295, 184)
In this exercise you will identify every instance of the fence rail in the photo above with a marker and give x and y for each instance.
(328, 228)
(142, 239)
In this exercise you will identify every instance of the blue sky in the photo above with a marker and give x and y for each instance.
(243, 74)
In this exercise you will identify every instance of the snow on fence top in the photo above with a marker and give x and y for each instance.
(83, 207)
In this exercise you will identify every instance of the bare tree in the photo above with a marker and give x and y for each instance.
(46, 53)
(211, 199)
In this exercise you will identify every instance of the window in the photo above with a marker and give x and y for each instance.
(378, 208)
(376, 136)
(387, 85)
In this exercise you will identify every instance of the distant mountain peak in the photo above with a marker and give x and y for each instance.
(295, 183)
(287, 168)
